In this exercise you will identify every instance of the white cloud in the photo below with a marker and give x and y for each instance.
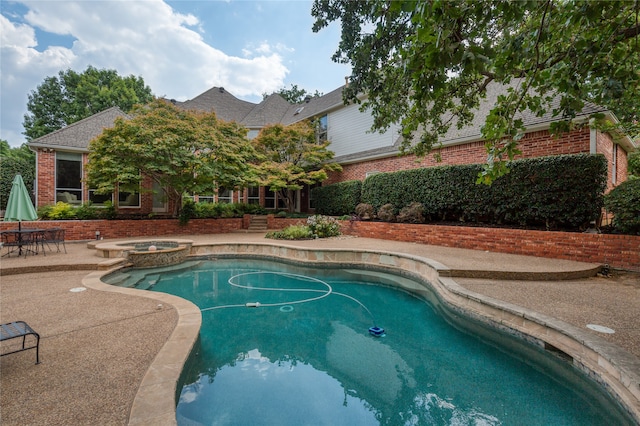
(143, 38)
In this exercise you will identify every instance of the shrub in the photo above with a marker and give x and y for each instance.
(413, 213)
(87, 212)
(44, 212)
(109, 211)
(62, 210)
(337, 199)
(227, 210)
(624, 202)
(187, 212)
(386, 213)
(292, 232)
(9, 168)
(560, 191)
(365, 211)
(323, 226)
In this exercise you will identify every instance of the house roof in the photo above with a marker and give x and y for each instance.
(529, 119)
(76, 136)
(226, 106)
(275, 109)
(271, 110)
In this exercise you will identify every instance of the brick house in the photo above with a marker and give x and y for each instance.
(62, 154)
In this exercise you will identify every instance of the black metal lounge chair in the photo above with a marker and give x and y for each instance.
(17, 329)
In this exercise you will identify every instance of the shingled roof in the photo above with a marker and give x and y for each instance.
(226, 106)
(76, 136)
(269, 111)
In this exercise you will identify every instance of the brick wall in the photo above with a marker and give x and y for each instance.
(46, 171)
(619, 251)
(533, 144)
(77, 230)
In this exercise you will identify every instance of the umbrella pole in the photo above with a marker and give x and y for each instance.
(19, 238)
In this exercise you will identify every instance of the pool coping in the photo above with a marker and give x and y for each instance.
(614, 368)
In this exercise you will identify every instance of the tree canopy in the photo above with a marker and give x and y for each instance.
(292, 158)
(183, 151)
(71, 96)
(426, 64)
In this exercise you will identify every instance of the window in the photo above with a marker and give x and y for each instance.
(269, 199)
(312, 202)
(252, 134)
(253, 195)
(69, 177)
(322, 128)
(205, 198)
(128, 199)
(99, 199)
(225, 195)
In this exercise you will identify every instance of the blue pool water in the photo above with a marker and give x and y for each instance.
(305, 355)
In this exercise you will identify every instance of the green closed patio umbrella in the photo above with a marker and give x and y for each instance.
(19, 205)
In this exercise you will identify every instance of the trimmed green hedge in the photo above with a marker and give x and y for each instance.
(338, 199)
(555, 192)
(624, 202)
(560, 191)
(9, 168)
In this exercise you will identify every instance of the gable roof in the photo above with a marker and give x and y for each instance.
(226, 106)
(76, 136)
(271, 110)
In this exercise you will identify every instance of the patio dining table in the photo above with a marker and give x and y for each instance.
(27, 238)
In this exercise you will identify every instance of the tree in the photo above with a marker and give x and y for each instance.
(23, 152)
(183, 151)
(292, 158)
(426, 64)
(294, 95)
(71, 96)
(13, 161)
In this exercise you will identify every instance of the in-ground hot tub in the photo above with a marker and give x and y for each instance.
(145, 253)
(156, 253)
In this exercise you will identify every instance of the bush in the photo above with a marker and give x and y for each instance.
(633, 160)
(337, 199)
(563, 191)
(323, 226)
(187, 212)
(413, 213)
(293, 232)
(44, 212)
(87, 212)
(61, 211)
(624, 202)
(386, 213)
(9, 168)
(365, 211)
(109, 211)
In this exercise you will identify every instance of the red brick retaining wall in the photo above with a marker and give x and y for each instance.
(86, 229)
(618, 251)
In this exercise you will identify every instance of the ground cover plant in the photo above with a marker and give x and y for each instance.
(317, 226)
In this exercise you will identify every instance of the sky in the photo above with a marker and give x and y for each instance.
(181, 48)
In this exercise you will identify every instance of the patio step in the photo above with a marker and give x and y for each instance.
(258, 223)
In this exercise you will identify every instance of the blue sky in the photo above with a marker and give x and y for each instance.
(180, 48)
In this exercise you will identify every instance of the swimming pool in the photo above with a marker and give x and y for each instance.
(316, 363)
